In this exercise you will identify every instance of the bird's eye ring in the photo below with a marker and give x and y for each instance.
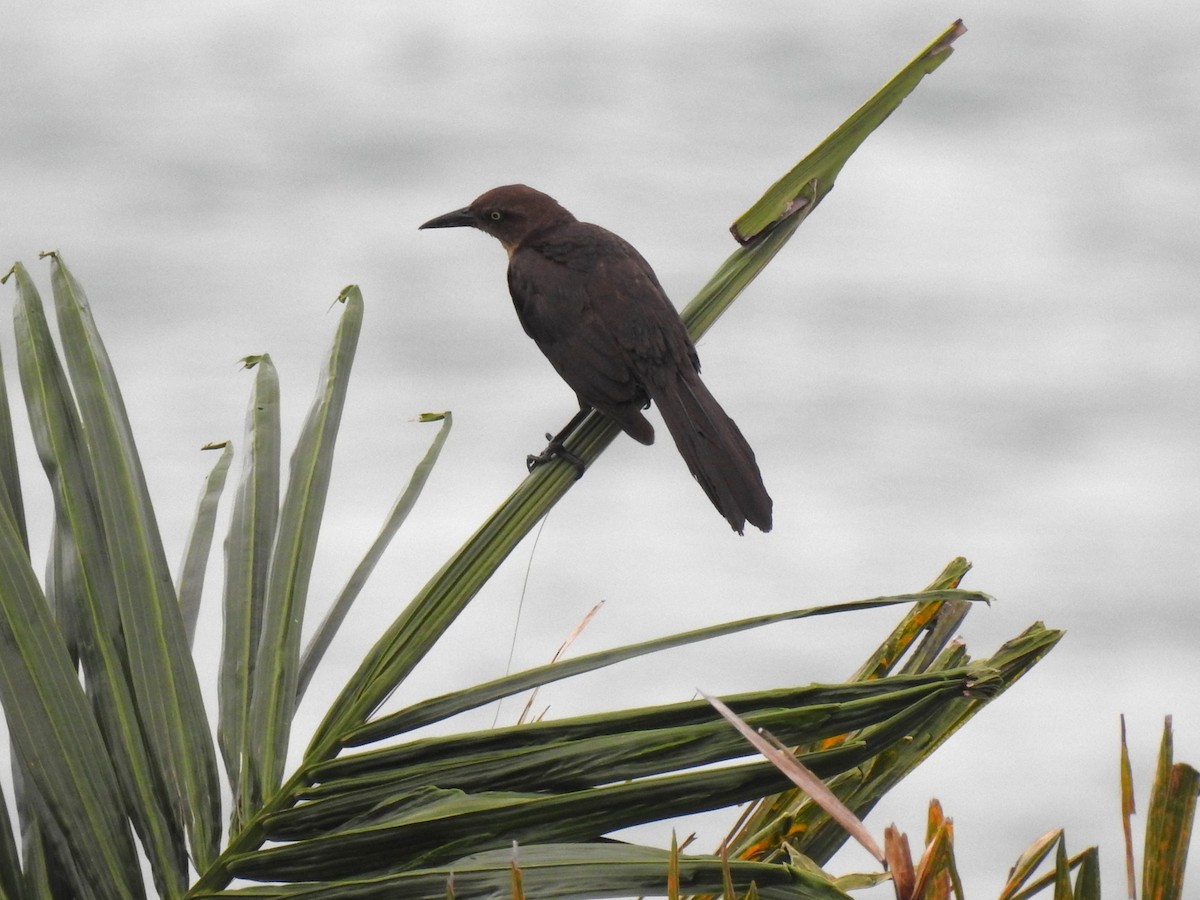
(495, 214)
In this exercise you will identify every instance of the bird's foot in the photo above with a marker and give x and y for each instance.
(556, 450)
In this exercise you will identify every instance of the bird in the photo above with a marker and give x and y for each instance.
(597, 311)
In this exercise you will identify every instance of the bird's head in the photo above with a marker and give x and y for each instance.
(510, 214)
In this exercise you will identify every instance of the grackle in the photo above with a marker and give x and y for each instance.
(596, 310)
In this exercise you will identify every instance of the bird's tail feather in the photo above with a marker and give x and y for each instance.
(715, 451)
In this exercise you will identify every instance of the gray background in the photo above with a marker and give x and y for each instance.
(985, 342)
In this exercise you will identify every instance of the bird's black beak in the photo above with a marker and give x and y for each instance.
(457, 219)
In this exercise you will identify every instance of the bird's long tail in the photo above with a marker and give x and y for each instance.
(714, 450)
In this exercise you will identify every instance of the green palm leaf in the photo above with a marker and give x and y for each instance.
(276, 667)
(399, 512)
(562, 871)
(248, 546)
(85, 588)
(190, 585)
(161, 673)
(56, 738)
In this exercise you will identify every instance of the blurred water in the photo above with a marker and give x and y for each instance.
(986, 342)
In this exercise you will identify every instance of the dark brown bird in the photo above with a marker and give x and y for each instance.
(595, 308)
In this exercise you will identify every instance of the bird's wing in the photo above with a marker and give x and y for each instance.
(593, 293)
(638, 314)
(555, 291)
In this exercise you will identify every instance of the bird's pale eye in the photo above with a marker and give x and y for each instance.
(495, 214)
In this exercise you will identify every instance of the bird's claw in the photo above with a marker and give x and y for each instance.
(556, 450)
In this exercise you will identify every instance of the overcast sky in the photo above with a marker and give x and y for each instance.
(984, 343)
